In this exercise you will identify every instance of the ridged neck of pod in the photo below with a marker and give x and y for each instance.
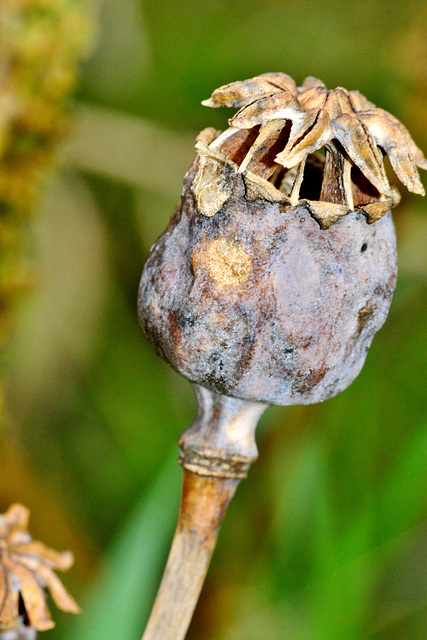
(221, 440)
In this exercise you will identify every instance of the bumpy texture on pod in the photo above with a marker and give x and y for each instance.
(258, 302)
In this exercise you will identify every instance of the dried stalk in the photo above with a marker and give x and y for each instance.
(216, 452)
(205, 500)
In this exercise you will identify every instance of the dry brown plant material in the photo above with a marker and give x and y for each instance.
(26, 572)
(355, 134)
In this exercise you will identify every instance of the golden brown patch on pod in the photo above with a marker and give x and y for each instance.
(225, 262)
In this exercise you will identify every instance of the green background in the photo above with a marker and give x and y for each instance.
(326, 539)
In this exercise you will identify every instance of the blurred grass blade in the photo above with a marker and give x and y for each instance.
(127, 148)
(404, 498)
(119, 66)
(123, 593)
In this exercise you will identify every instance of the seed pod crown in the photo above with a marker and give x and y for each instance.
(279, 130)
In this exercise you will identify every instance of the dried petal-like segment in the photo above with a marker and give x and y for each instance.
(239, 94)
(214, 182)
(26, 571)
(33, 596)
(355, 139)
(268, 134)
(3, 586)
(15, 518)
(376, 210)
(416, 152)
(234, 144)
(336, 105)
(212, 186)
(275, 107)
(359, 101)
(343, 99)
(313, 134)
(311, 82)
(404, 155)
(208, 135)
(296, 187)
(60, 595)
(9, 611)
(257, 188)
(326, 213)
(55, 559)
(313, 97)
(281, 80)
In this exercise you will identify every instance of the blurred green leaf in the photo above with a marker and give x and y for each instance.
(402, 497)
(120, 598)
(134, 150)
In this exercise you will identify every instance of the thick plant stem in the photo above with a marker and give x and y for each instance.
(216, 452)
(204, 502)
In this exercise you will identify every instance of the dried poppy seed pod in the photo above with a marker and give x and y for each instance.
(271, 280)
(268, 285)
(260, 303)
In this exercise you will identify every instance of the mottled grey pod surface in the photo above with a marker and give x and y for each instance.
(258, 302)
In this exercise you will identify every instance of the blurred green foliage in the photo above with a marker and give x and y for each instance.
(326, 539)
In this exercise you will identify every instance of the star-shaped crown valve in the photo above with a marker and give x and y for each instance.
(310, 145)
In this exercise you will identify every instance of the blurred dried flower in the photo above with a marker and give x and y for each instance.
(26, 572)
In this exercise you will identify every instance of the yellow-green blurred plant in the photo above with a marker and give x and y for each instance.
(41, 44)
